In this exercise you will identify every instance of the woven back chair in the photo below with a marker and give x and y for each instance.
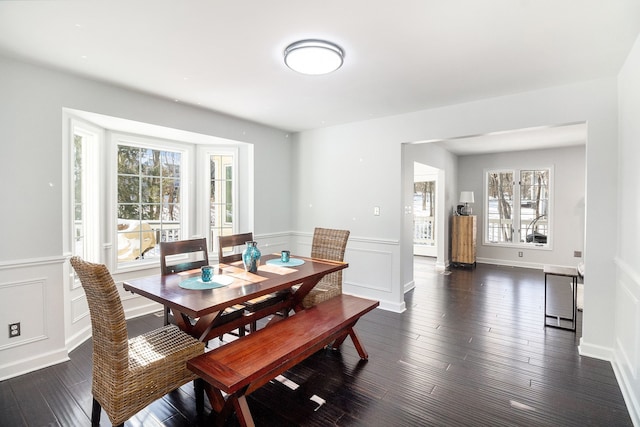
(236, 242)
(129, 374)
(327, 244)
(182, 255)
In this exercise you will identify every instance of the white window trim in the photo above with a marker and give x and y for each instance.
(92, 202)
(516, 209)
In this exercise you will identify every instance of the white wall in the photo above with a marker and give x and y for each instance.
(344, 171)
(626, 333)
(33, 267)
(567, 203)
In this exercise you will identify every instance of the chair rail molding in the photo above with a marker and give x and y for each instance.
(30, 262)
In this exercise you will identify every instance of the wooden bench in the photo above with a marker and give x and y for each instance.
(246, 364)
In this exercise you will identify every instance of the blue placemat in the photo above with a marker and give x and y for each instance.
(196, 283)
(293, 262)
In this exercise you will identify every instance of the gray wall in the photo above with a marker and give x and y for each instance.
(567, 203)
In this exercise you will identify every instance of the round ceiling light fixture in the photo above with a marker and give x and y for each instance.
(313, 57)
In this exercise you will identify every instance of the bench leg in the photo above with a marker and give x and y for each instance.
(356, 342)
(242, 411)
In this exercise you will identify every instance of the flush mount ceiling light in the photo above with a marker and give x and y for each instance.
(313, 57)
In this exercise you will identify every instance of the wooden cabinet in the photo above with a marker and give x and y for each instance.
(463, 240)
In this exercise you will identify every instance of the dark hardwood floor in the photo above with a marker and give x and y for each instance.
(470, 350)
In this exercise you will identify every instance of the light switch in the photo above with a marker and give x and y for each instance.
(376, 210)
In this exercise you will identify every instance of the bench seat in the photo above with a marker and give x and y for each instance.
(244, 365)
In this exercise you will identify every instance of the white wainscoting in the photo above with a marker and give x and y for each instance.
(28, 294)
(373, 268)
(32, 293)
(626, 352)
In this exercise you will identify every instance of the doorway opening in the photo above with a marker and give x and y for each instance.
(425, 182)
(425, 210)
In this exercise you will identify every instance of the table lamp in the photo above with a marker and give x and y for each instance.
(466, 197)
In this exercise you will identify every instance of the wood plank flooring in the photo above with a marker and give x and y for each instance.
(470, 350)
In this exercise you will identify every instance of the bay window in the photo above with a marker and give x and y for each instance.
(127, 193)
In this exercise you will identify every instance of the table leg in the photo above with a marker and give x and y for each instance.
(303, 290)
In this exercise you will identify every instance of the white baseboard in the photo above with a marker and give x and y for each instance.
(595, 351)
(627, 393)
(391, 306)
(26, 365)
(408, 286)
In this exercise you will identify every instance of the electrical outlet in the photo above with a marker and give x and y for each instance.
(14, 330)
(376, 210)
(577, 254)
(520, 254)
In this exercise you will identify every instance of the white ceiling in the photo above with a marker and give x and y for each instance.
(400, 56)
(518, 140)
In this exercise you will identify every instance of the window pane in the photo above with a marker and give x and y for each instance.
(500, 207)
(151, 212)
(150, 191)
(150, 162)
(128, 189)
(170, 190)
(534, 203)
(78, 208)
(128, 160)
(170, 164)
(221, 209)
(128, 211)
(148, 201)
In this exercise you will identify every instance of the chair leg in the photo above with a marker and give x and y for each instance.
(198, 385)
(95, 413)
(166, 316)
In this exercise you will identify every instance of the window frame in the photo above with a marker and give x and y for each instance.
(187, 173)
(204, 153)
(91, 205)
(516, 214)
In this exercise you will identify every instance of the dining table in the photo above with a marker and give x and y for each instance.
(200, 308)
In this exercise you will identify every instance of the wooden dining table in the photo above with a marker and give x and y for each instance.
(200, 312)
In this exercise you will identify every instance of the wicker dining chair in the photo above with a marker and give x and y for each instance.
(129, 374)
(327, 244)
(230, 250)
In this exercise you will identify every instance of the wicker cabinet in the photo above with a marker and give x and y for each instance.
(463, 240)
